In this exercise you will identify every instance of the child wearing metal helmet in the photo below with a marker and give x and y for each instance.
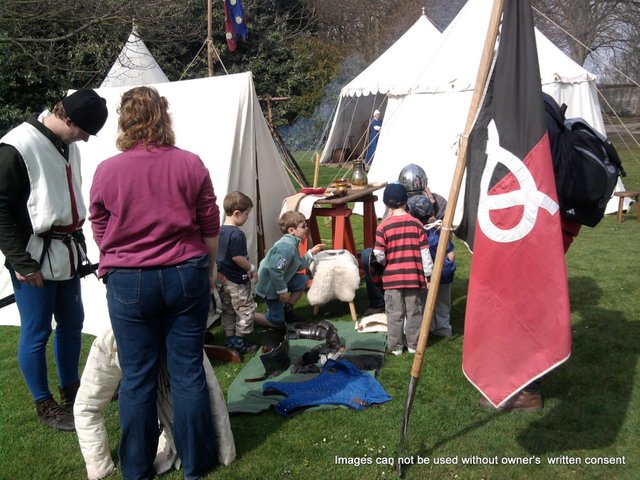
(422, 208)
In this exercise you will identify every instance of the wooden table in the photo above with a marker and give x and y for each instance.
(339, 212)
(622, 196)
(342, 232)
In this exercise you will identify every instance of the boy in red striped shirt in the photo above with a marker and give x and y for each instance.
(402, 247)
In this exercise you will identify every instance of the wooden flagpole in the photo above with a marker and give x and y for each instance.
(478, 94)
(209, 39)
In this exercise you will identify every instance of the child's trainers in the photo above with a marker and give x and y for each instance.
(240, 345)
(397, 351)
(245, 347)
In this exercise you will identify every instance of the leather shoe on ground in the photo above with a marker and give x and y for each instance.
(53, 416)
(524, 401)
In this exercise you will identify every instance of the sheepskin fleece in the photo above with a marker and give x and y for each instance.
(335, 276)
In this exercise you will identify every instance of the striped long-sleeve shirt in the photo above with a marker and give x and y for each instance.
(403, 243)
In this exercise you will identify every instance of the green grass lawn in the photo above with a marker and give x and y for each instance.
(591, 415)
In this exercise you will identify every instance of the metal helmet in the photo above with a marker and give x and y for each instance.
(414, 179)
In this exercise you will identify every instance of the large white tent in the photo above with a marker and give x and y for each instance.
(220, 119)
(134, 66)
(392, 72)
(423, 126)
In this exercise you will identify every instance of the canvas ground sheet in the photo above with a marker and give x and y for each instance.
(247, 397)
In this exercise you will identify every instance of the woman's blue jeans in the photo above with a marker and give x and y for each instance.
(37, 305)
(153, 311)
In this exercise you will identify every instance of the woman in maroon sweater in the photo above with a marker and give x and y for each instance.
(155, 219)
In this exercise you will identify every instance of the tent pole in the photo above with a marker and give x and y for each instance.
(316, 171)
(209, 39)
(478, 94)
(262, 250)
(289, 160)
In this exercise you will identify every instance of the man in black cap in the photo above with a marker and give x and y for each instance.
(41, 216)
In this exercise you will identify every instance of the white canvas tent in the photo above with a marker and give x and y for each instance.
(394, 71)
(134, 66)
(423, 126)
(220, 119)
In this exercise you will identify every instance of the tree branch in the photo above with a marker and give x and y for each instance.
(91, 23)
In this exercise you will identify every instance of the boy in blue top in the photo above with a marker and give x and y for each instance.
(235, 275)
(278, 279)
(422, 208)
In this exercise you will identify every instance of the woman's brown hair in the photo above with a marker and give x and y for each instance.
(144, 117)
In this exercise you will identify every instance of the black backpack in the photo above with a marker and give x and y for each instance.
(585, 163)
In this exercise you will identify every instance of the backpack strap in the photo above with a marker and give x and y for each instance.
(556, 111)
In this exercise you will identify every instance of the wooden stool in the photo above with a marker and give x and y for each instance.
(623, 195)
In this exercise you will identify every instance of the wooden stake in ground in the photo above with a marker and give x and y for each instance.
(445, 235)
(317, 171)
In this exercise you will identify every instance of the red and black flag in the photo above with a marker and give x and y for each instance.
(517, 324)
